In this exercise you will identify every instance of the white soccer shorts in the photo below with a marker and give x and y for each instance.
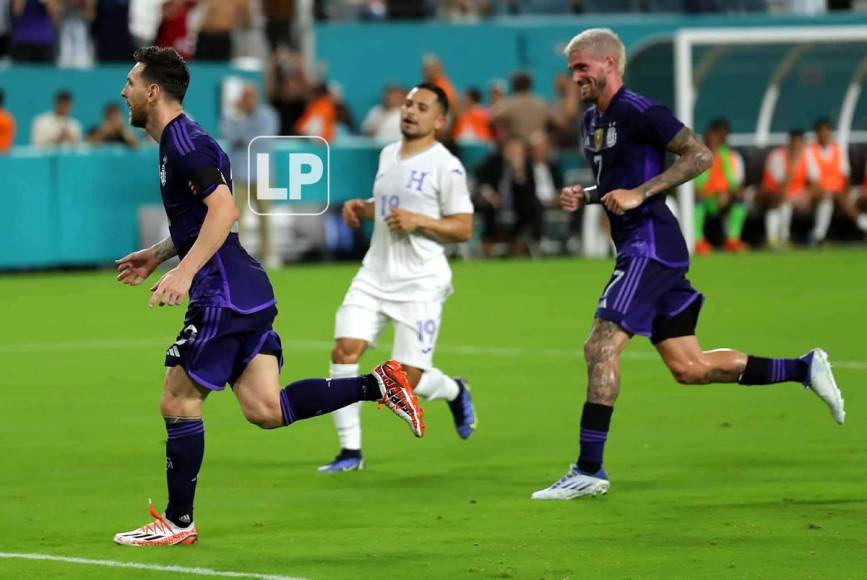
(416, 325)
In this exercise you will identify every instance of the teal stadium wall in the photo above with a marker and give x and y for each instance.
(78, 208)
(362, 58)
(30, 91)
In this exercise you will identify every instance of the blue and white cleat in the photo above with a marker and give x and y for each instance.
(343, 462)
(575, 483)
(821, 381)
(462, 410)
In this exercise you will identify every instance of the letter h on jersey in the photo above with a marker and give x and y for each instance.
(416, 180)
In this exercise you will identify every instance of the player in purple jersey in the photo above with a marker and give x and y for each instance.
(625, 139)
(227, 335)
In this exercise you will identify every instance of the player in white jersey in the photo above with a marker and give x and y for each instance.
(420, 202)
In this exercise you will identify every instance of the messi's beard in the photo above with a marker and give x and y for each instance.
(138, 119)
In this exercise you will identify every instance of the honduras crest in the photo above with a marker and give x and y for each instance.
(163, 171)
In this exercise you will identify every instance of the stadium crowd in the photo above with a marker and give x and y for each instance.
(807, 191)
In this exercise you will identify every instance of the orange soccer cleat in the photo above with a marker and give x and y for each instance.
(703, 247)
(397, 395)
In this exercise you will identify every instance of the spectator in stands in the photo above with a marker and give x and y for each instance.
(563, 110)
(404, 9)
(464, 10)
(55, 128)
(432, 71)
(832, 189)
(33, 34)
(249, 119)
(344, 121)
(804, 7)
(382, 121)
(473, 120)
(507, 193)
(279, 16)
(496, 91)
(522, 113)
(787, 187)
(7, 126)
(372, 10)
(320, 115)
(719, 190)
(174, 30)
(145, 17)
(547, 176)
(75, 49)
(111, 30)
(219, 17)
(287, 87)
(112, 129)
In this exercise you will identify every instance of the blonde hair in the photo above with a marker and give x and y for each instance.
(600, 42)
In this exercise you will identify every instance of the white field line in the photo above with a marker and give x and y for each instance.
(325, 346)
(153, 567)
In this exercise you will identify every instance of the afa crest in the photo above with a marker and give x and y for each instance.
(163, 171)
(598, 135)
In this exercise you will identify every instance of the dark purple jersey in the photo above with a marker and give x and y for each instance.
(192, 165)
(626, 146)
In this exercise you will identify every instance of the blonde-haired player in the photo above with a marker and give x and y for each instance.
(420, 202)
(625, 140)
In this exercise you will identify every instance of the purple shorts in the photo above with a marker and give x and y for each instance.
(643, 295)
(216, 344)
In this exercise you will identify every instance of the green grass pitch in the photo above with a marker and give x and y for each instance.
(720, 481)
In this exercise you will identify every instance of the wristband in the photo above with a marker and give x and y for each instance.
(591, 195)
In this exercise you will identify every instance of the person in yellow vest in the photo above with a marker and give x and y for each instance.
(719, 189)
(788, 186)
(832, 189)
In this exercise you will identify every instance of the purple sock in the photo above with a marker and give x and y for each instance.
(185, 448)
(312, 397)
(595, 420)
(768, 371)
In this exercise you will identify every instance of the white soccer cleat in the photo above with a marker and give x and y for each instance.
(160, 532)
(821, 381)
(575, 483)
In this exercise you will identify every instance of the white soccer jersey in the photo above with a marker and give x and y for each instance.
(412, 267)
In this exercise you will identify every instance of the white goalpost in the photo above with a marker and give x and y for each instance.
(801, 39)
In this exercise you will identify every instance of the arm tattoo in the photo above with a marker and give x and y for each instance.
(693, 159)
(164, 250)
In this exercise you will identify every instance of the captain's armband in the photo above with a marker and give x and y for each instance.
(205, 180)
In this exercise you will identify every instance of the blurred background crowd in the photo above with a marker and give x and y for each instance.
(519, 145)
